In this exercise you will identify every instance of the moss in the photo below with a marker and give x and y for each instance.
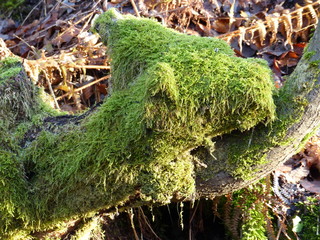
(307, 55)
(306, 138)
(14, 204)
(90, 230)
(315, 64)
(19, 105)
(309, 213)
(171, 93)
(244, 157)
(199, 77)
(9, 67)
(249, 201)
(8, 5)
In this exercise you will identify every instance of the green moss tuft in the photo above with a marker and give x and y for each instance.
(8, 5)
(9, 67)
(308, 55)
(14, 203)
(192, 88)
(199, 78)
(20, 104)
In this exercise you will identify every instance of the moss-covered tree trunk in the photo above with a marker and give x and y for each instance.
(298, 117)
(123, 153)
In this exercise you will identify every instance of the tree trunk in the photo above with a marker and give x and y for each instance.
(298, 118)
(52, 167)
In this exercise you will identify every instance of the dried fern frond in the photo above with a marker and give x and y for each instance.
(262, 31)
(269, 227)
(289, 22)
(313, 13)
(288, 28)
(273, 25)
(299, 19)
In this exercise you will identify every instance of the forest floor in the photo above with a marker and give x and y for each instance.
(63, 56)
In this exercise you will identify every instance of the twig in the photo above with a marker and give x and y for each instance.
(190, 221)
(172, 10)
(30, 12)
(85, 86)
(87, 22)
(130, 213)
(146, 221)
(135, 8)
(51, 91)
(66, 5)
(91, 66)
(31, 47)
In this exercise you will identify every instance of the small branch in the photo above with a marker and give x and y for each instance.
(135, 8)
(85, 86)
(30, 13)
(146, 221)
(91, 66)
(25, 42)
(51, 91)
(130, 213)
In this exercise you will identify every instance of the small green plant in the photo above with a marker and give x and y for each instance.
(254, 217)
(247, 214)
(310, 219)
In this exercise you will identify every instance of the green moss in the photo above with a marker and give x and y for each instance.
(90, 230)
(19, 105)
(14, 204)
(171, 93)
(315, 63)
(309, 213)
(8, 5)
(9, 67)
(307, 55)
(291, 102)
(198, 77)
(306, 138)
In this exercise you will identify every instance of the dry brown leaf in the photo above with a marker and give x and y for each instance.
(313, 186)
(87, 92)
(66, 36)
(221, 25)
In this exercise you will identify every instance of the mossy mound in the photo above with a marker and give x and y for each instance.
(171, 93)
(188, 81)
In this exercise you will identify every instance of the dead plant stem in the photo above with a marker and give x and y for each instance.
(85, 86)
(135, 8)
